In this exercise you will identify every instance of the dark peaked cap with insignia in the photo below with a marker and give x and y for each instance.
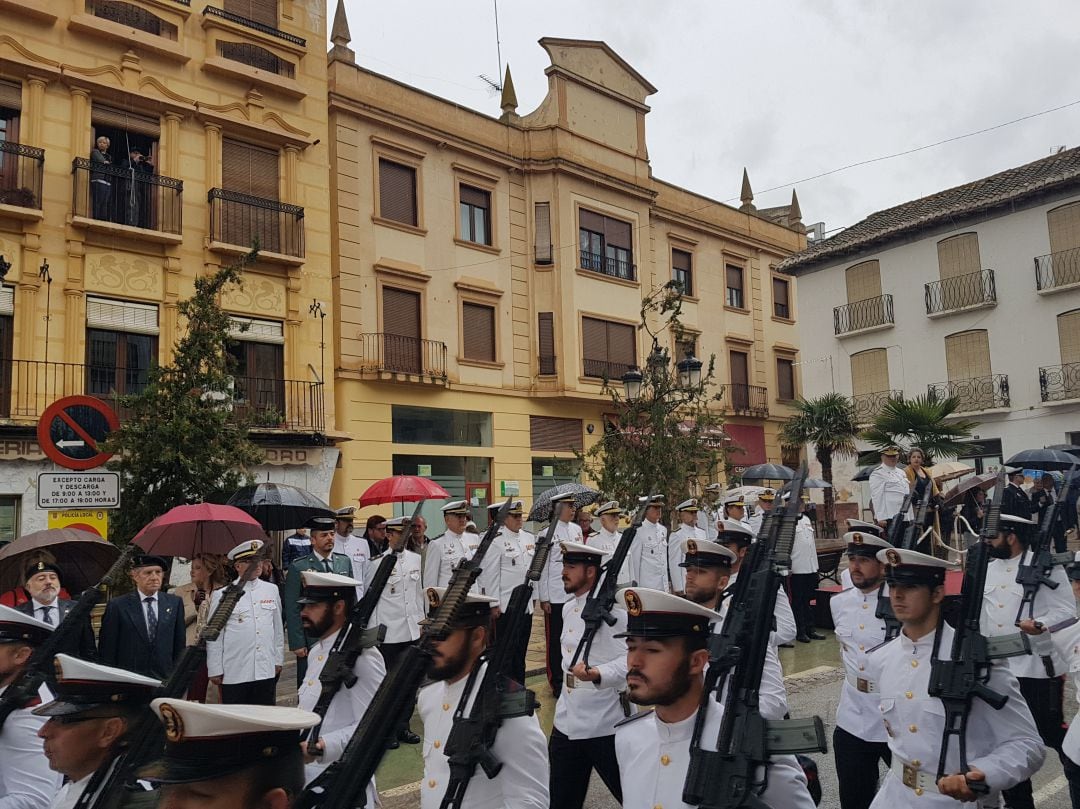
(205, 742)
(656, 614)
(18, 627)
(82, 687)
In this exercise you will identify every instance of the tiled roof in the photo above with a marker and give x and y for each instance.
(1006, 187)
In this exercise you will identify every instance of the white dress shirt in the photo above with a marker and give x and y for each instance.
(550, 587)
(888, 488)
(519, 746)
(654, 756)
(251, 646)
(676, 554)
(587, 710)
(346, 709)
(785, 619)
(26, 781)
(858, 631)
(145, 608)
(1001, 600)
(68, 795)
(53, 611)
(514, 553)
(649, 557)
(1004, 744)
(359, 553)
(804, 558)
(401, 604)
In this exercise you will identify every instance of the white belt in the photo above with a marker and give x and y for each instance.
(912, 777)
(861, 684)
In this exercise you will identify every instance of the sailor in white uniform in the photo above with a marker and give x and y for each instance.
(737, 538)
(864, 528)
(356, 548)
(607, 538)
(687, 511)
(763, 506)
(649, 554)
(550, 588)
(710, 510)
(452, 547)
(513, 550)
(735, 510)
(888, 488)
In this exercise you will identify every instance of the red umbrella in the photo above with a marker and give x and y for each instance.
(402, 488)
(200, 528)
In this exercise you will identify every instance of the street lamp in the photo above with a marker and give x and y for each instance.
(632, 380)
(5, 267)
(689, 371)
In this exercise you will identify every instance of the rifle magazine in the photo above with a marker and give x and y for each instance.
(1002, 646)
(518, 703)
(790, 736)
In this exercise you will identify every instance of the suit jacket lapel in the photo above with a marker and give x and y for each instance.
(138, 617)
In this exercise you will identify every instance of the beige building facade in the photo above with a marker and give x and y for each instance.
(489, 274)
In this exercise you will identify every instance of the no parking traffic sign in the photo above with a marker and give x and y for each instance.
(71, 431)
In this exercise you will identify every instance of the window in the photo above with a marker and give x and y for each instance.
(958, 255)
(11, 184)
(608, 348)
(546, 340)
(869, 372)
(259, 370)
(681, 270)
(7, 323)
(606, 245)
(397, 192)
(542, 236)
(260, 11)
(863, 281)
(734, 276)
(785, 379)
(967, 361)
(478, 332)
(121, 346)
(428, 425)
(1069, 345)
(121, 201)
(251, 171)
(401, 330)
(740, 379)
(475, 214)
(131, 16)
(687, 345)
(554, 434)
(9, 518)
(1062, 266)
(780, 302)
(258, 57)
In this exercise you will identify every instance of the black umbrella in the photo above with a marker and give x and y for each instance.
(278, 507)
(1044, 459)
(768, 471)
(1072, 449)
(583, 496)
(864, 471)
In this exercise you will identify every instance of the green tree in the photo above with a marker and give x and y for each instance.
(925, 421)
(668, 436)
(829, 423)
(180, 440)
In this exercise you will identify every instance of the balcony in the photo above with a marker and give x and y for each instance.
(244, 221)
(401, 354)
(1060, 383)
(745, 400)
(608, 265)
(872, 313)
(22, 169)
(136, 199)
(603, 369)
(27, 387)
(262, 28)
(1057, 270)
(869, 405)
(970, 291)
(978, 393)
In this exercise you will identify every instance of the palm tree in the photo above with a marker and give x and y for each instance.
(829, 423)
(926, 422)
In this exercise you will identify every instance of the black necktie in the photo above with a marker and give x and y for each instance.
(151, 618)
(326, 566)
(45, 615)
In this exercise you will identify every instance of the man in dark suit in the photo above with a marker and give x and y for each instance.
(143, 631)
(323, 559)
(1014, 500)
(43, 585)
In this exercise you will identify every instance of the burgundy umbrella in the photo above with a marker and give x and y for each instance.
(401, 489)
(200, 528)
(83, 557)
(985, 481)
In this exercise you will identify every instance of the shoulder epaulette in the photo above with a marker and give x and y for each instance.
(634, 718)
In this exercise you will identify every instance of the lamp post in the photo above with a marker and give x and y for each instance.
(5, 267)
(316, 310)
(46, 276)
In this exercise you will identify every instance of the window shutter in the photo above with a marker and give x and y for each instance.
(397, 192)
(401, 312)
(478, 331)
(739, 368)
(618, 233)
(680, 260)
(594, 339)
(785, 379)
(863, 281)
(249, 169)
(1064, 225)
(257, 331)
(591, 221)
(780, 293)
(7, 300)
(734, 276)
(474, 196)
(1069, 336)
(542, 226)
(138, 318)
(621, 344)
(958, 255)
(555, 435)
(264, 11)
(126, 121)
(546, 339)
(967, 355)
(11, 95)
(870, 372)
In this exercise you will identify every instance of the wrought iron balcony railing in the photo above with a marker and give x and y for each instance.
(244, 220)
(978, 393)
(603, 369)
(210, 11)
(869, 405)
(403, 354)
(616, 268)
(1059, 383)
(1057, 269)
(130, 15)
(865, 314)
(960, 292)
(745, 400)
(22, 169)
(126, 196)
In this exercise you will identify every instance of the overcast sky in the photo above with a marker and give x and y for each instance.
(788, 89)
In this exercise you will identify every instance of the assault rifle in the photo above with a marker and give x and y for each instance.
(343, 783)
(1037, 573)
(958, 680)
(39, 667)
(897, 538)
(725, 778)
(499, 697)
(355, 636)
(146, 739)
(601, 600)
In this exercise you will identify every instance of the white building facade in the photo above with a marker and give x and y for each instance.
(972, 292)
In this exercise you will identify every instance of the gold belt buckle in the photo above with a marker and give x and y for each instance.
(569, 680)
(862, 685)
(911, 776)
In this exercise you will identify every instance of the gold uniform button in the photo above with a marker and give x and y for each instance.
(862, 626)
(862, 647)
(320, 657)
(918, 792)
(865, 606)
(916, 763)
(1001, 606)
(913, 728)
(431, 784)
(437, 744)
(909, 695)
(862, 668)
(914, 664)
(446, 706)
(665, 760)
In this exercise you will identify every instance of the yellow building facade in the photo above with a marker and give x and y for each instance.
(216, 120)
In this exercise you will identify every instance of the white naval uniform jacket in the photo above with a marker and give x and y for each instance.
(26, 781)
(804, 558)
(649, 557)
(514, 554)
(359, 553)
(1003, 744)
(858, 631)
(446, 552)
(1067, 641)
(252, 644)
(772, 693)
(676, 554)
(785, 619)
(1001, 600)
(520, 746)
(654, 756)
(607, 541)
(589, 710)
(706, 521)
(346, 709)
(401, 604)
(550, 587)
(888, 488)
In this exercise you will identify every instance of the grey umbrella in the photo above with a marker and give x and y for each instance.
(541, 509)
(768, 471)
(816, 483)
(83, 557)
(1044, 459)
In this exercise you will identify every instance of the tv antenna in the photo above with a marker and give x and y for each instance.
(495, 85)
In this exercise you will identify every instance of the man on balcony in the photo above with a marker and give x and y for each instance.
(134, 189)
(100, 181)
